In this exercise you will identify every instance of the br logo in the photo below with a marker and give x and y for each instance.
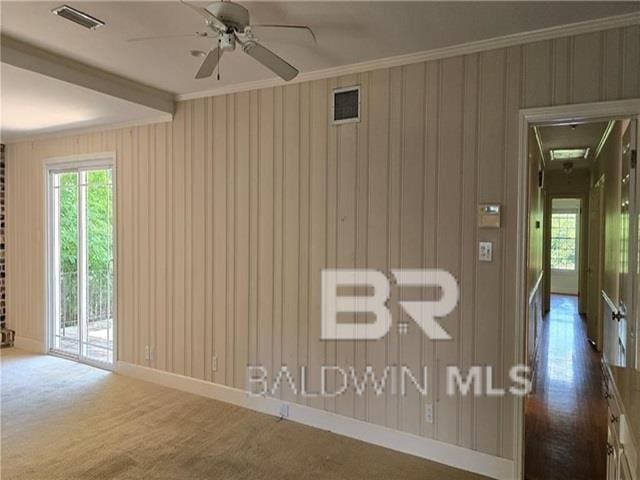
(423, 313)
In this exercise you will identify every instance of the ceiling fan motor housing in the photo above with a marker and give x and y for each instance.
(232, 14)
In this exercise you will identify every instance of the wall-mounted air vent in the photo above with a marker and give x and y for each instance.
(346, 105)
(76, 16)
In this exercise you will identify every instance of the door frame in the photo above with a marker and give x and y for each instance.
(571, 113)
(91, 160)
(599, 184)
(581, 245)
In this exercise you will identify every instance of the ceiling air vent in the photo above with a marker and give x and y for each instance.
(346, 105)
(76, 16)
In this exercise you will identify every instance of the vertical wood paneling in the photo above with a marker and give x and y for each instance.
(241, 250)
(291, 226)
(179, 227)
(538, 65)
(318, 192)
(630, 62)
(346, 191)
(220, 262)
(378, 215)
(428, 249)
(396, 95)
(200, 131)
(490, 190)
(265, 235)
(448, 232)
(412, 221)
(468, 276)
(228, 214)
(304, 182)
(587, 71)
(513, 94)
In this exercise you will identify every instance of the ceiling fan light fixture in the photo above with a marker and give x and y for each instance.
(78, 17)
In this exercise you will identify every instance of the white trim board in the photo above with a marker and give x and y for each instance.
(445, 453)
(520, 38)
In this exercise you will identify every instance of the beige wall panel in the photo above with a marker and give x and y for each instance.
(538, 70)
(561, 52)
(612, 52)
(304, 180)
(220, 222)
(346, 150)
(513, 92)
(377, 215)
(630, 61)
(227, 215)
(412, 218)
(198, 241)
(468, 242)
(362, 186)
(490, 190)
(265, 233)
(448, 231)
(587, 68)
(317, 213)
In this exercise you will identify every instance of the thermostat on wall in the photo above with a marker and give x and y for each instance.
(489, 215)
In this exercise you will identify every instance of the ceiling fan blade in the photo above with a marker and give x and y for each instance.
(209, 63)
(212, 20)
(259, 30)
(162, 37)
(270, 60)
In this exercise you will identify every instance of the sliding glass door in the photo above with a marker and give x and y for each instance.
(81, 266)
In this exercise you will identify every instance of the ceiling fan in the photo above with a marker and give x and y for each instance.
(229, 24)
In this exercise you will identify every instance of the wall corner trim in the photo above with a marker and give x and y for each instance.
(429, 449)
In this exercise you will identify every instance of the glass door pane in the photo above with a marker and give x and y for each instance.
(82, 279)
(97, 201)
(66, 328)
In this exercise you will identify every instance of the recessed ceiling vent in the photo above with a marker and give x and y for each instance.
(76, 16)
(346, 105)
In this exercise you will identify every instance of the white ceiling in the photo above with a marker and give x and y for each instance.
(567, 136)
(32, 104)
(348, 32)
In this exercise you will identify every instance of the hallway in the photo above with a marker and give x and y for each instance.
(566, 423)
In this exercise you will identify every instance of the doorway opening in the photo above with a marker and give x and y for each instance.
(564, 246)
(579, 295)
(81, 280)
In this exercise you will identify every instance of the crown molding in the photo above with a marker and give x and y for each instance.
(548, 33)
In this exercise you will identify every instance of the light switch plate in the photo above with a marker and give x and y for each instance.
(485, 251)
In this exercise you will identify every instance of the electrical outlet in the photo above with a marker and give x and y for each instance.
(147, 355)
(284, 410)
(214, 363)
(428, 413)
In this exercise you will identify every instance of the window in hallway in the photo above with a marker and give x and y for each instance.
(563, 241)
(565, 245)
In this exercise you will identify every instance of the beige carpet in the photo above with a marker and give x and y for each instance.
(65, 420)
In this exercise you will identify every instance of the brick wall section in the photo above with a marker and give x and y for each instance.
(2, 252)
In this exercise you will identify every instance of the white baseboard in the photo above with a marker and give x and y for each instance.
(29, 344)
(452, 455)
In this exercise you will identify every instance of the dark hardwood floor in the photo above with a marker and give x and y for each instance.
(566, 415)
